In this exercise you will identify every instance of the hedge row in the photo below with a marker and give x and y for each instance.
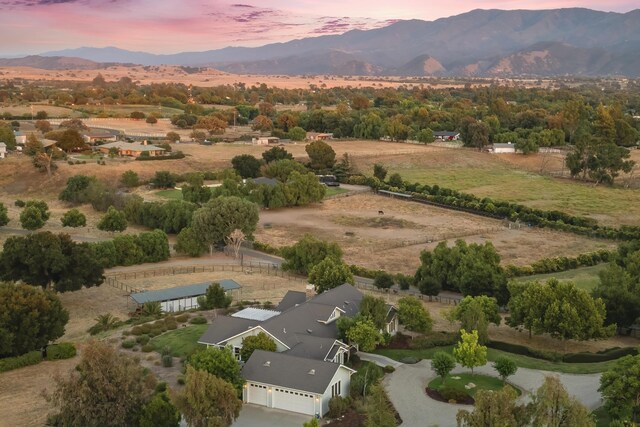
(172, 156)
(266, 248)
(503, 210)
(562, 263)
(27, 359)
(602, 356)
(128, 249)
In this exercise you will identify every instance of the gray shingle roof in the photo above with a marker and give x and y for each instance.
(344, 296)
(169, 294)
(224, 327)
(289, 371)
(131, 146)
(291, 299)
(313, 347)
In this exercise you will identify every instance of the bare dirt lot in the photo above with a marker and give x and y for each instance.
(393, 241)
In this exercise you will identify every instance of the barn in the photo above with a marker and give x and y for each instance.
(182, 297)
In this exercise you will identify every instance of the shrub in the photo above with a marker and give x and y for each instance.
(171, 324)
(199, 320)
(148, 348)
(436, 339)
(449, 393)
(182, 318)
(128, 344)
(601, 356)
(389, 369)
(20, 203)
(142, 339)
(27, 359)
(64, 350)
(167, 361)
(337, 406)
(137, 330)
(166, 351)
(181, 380)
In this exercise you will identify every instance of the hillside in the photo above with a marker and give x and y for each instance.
(471, 43)
(51, 63)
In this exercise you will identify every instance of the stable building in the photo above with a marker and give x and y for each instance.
(183, 297)
(503, 148)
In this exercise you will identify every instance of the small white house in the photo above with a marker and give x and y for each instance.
(181, 298)
(265, 140)
(21, 137)
(291, 383)
(504, 148)
(3, 150)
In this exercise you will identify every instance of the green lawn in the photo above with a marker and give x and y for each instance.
(332, 191)
(172, 194)
(458, 382)
(521, 361)
(181, 341)
(584, 278)
(486, 177)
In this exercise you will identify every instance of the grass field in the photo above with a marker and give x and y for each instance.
(458, 382)
(584, 278)
(332, 191)
(515, 180)
(126, 110)
(182, 342)
(172, 194)
(521, 361)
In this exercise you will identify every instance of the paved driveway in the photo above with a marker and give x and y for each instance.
(406, 387)
(254, 416)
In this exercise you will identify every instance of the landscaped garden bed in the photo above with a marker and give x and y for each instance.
(460, 388)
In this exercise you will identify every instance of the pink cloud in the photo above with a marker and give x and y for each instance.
(165, 26)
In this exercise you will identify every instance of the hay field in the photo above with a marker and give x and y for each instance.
(393, 241)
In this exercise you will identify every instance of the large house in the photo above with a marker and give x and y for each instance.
(307, 368)
(132, 149)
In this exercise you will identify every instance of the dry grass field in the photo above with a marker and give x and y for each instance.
(210, 77)
(393, 241)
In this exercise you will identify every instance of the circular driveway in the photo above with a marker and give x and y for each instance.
(406, 388)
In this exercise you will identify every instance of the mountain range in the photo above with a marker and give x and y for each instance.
(552, 42)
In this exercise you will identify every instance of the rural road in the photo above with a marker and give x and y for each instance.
(406, 388)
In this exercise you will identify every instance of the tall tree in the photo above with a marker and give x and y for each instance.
(468, 352)
(73, 218)
(160, 412)
(208, 401)
(552, 406)
(375, 309)
(218, 218)
(276, 153)
(252, 343)
(107, 388)
(321, 155)
(220, 362)
(215, 297)
(413, 315)
(363, 332)
(494, 409)
(379, 171)
(307, 252)
(328, 274)
(30, 318)
(246, 165)
(51, 261)
(442, 363)
(620, 292)
(620, 388)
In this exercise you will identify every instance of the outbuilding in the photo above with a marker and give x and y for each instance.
(183, 297)
(504, 148)
(3, 150)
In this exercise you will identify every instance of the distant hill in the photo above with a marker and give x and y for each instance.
(480, 42)
(51, 63)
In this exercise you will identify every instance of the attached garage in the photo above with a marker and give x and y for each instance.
(292, 383)
(294, 401)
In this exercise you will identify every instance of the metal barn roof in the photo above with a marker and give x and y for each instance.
(188, 291)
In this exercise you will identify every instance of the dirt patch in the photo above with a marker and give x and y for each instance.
(394, 244)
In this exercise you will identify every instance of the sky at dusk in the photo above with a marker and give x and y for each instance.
(169, 26)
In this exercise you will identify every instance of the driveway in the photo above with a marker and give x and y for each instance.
(254, 415)
(406, 387)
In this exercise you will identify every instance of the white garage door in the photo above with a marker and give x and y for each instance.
(294, 401)
(257, 394)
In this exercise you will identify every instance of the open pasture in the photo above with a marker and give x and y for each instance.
(393, 241)
(515, 178)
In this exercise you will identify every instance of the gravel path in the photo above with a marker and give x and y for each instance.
(406, 387)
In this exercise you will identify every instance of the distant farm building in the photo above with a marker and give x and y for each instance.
(265, 140)
(3, 150)
(132, 149)
(504, 148)
(446, 136)
(183, 297)
(95, 136)
(315, 136)
(21, 137)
